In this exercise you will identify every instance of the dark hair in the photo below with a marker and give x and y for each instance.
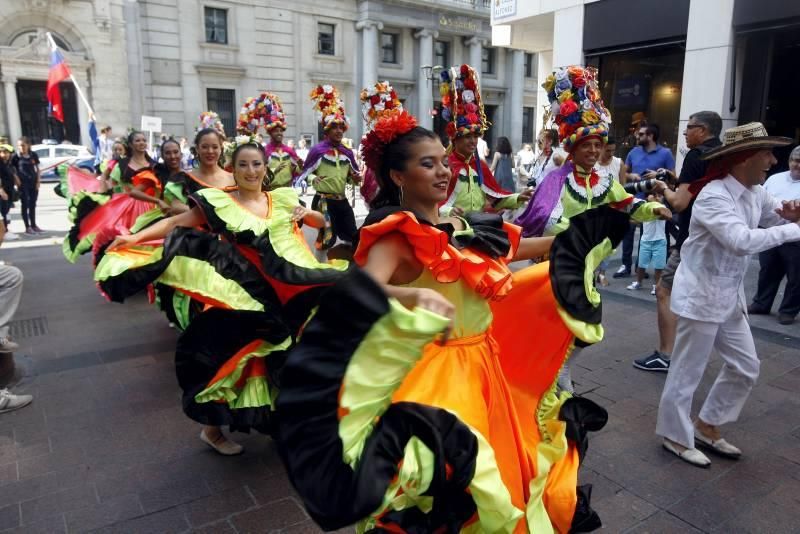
(652, 129)
(503, 145)
(132, 135)
(253, 145)
(168, 141)
(24, 139)
(552, 134)
(710, 119)
(610, 140)
(204, 132)
(395, 158)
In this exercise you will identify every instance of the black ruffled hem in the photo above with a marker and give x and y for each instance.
(210, 340)
(82, 209)
(568, 258)
(335, 494)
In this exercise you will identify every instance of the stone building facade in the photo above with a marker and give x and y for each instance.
(175, 58)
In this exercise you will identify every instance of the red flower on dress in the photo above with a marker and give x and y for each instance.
(386, 130)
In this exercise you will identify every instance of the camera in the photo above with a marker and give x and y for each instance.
(642, 186)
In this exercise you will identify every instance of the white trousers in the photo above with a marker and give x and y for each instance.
(694, 341)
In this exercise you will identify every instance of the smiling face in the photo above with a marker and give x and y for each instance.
(171, 152)
(426, 175)
(335, 133)
(249, 168)
(276, 134)
(754, 170)
(466, 144)
(119, 150)
(209, 149)
(587, 152)
(139, 143)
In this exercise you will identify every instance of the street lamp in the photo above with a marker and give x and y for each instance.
(431, 73)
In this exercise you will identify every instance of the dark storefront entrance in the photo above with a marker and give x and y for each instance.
(769, 91)
(642, 85)
(33, 110)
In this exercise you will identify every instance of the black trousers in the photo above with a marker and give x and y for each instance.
(783, 260)
(28, 194)
(343, 220)
(5, 207)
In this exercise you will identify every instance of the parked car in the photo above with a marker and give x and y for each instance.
(51, 156)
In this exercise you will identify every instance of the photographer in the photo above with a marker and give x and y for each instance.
(643, 162)
(702, 134)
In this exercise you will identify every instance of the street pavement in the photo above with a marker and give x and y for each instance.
(105, 446)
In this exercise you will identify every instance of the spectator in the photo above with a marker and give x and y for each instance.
(10, 294)
(732, 218)
(701, 134)
(483, 148)
(652, 250)
(106, 143)
(302, 149)
(503, 165)
(610, 165)
(783, 260)
(643, 162)
(26, 165)
(187, 160)
(7, 187)
(525, 159)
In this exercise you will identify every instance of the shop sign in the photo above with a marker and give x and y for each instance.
(463, 24)
(504, 8)
(631, 92)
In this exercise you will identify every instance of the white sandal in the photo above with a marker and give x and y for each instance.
(692, 456)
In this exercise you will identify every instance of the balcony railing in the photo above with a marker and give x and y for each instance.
(474, 4)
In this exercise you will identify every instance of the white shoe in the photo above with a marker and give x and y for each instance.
(692, 456)
(222, 445)
(10, 402)
(720, 446)
(653, 291)
(11, 236)
(634, 285)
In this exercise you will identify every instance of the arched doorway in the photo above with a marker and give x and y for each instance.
(24, 62)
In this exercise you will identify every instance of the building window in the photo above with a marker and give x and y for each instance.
(441, 53)
(528, 65)
(216, 25)
(527, 125)
(325, 34)
(223, 101)
(487, 60)
(389, 47)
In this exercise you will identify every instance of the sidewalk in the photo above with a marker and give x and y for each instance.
(105, 446)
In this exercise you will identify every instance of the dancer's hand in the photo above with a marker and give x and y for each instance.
(431, 300)
(526, 194)
(122, 241)
(790, 210)
(456, 212)
(663, 213)
(164, 206)
(299, 213)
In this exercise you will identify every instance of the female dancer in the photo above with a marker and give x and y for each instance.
(128, 165)
(209, 145)
(384, 419)
(262, 278)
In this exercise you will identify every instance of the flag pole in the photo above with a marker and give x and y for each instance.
(72, 77)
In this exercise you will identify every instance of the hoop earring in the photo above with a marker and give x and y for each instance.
(401, 195)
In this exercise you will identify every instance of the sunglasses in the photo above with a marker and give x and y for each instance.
(690, 126)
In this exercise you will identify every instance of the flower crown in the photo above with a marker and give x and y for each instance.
(230, 147)
(462, 105)
(576, 105)
(210, 119)
(329, 106)
(385, 131)
(378, 101)
(264, 110)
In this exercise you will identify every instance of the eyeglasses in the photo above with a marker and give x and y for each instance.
(690, 126)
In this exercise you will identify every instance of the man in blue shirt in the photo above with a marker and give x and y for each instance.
(643, 163)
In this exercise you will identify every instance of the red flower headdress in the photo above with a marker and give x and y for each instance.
(378, 101)
(329, 106)
(264, 110)
(386, 130)
(462, 105)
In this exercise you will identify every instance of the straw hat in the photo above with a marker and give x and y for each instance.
(746, 137)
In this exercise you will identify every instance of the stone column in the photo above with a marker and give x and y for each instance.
(424, 90)
(475, 53)
(370, 47)
(12, 110)
(544, 66)
(83, 117)
(515, 98)
(707, 65)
